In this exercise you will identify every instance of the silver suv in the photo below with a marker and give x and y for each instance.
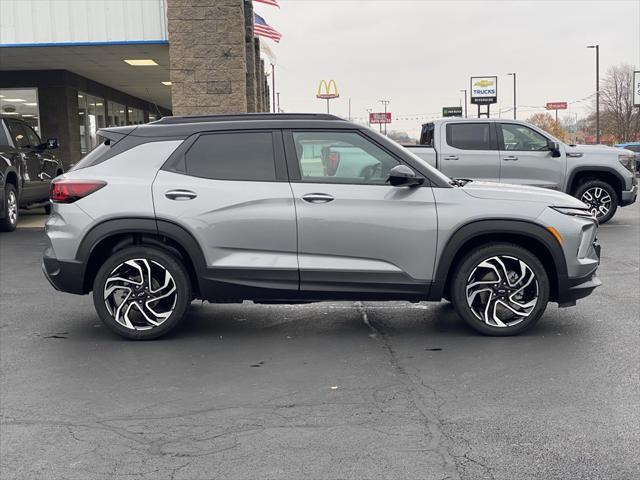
(298, 208)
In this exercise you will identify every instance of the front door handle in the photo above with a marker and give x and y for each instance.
(317, 198)
(510, 159)
(451, 157)
(180, 194)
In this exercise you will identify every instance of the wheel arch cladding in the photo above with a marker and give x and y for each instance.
(113, 235)
(531, 236)
(604, 174)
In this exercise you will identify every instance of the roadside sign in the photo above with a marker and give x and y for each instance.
(556, 105)
(636, 89)
(327, 90)
(484, 90)
(379, 117)
(451, 111)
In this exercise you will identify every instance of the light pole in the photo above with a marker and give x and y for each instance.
(465, 102)
(273, 86)
(597, 47)
(369, 110)
(514, 93)
(385, 103)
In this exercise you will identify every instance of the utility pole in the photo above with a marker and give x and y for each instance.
(369, 110)
(273, 86)
(278, 95)
(514, 93)
(349, 108)
(385, 103)
(465, 102)
(597, 47)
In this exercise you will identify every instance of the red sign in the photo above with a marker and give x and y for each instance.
(556, 105)
(380, 117)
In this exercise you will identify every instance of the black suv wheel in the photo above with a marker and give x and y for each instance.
(141, 293)
(500, 289)
(601, 198)
(10, 209)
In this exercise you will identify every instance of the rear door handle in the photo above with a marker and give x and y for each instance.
(180, 194)
(451, 157)
(317, 198)
(510, 159)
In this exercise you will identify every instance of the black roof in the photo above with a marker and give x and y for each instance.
(243, 117)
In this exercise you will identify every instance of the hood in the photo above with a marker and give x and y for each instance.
(592, 150)
(509, 192)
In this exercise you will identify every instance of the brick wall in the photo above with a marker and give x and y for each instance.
(208, 56)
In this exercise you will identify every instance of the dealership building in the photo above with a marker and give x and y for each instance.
(70, 67)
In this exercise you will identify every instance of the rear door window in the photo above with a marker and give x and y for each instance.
(469, 136)
(245, 156)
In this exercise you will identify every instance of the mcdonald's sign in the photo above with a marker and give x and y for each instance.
(326, 91)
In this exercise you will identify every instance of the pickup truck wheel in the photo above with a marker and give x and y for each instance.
(600, 197)
(142, 293)
(9, 207)
(500, 289)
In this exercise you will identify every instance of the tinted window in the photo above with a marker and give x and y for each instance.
(521, 138)
(34, 139)
(18, 133)
(469, 136)
(232, 156)
(633, 148)
(94, 156)
(341, 157)
(426, 137)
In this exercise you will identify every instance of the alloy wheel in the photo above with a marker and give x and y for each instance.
(599, 201)
(502, 291)
(140, 294)
(12, 207)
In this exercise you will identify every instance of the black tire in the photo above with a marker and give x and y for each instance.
(159, 260)
(9, 206)
(501, 292)
(585, 193)
(47, 209)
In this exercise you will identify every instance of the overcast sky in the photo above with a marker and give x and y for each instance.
(420, 53)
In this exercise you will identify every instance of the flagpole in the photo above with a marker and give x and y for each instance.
(273, 85)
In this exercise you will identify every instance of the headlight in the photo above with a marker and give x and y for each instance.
(627, 161)
(576, 212)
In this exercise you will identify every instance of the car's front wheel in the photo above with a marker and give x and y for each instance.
(500, 289)
(142, 292)
(601, 198)
(9, 220)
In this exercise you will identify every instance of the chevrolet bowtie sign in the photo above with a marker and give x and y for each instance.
(484, 90)
(327, 90)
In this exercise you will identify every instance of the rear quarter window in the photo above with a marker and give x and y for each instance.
(94, 156)
(245, 156)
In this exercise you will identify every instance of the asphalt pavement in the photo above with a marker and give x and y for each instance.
(322, 391)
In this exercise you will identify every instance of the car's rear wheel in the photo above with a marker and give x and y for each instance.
(600, 197)
(500, 289)
(9, 220)
(142, 293)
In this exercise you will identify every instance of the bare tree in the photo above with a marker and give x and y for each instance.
(618, 115)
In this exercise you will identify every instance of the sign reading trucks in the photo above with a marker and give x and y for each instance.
(484, 90)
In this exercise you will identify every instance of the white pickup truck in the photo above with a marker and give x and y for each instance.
(510, 151)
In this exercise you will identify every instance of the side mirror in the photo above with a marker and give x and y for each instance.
(554, 147)
(52, 143)
(403, 176)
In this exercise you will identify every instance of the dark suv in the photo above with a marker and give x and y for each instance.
(27, 166)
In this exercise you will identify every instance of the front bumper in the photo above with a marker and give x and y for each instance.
(572, 289)
(629, 196)
(65, 276)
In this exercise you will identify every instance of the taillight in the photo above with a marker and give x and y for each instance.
(69, 190)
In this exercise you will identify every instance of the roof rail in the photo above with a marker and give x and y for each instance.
(243, 116)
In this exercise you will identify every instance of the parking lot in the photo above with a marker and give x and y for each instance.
(340, 390)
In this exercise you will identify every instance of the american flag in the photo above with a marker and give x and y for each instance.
(273, 3)
(261, 29)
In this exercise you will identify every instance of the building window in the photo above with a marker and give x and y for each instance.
(116, 114)
(21, 103)
(91, 117)
(136, 116)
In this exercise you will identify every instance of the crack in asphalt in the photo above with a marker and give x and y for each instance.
(413, 384)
